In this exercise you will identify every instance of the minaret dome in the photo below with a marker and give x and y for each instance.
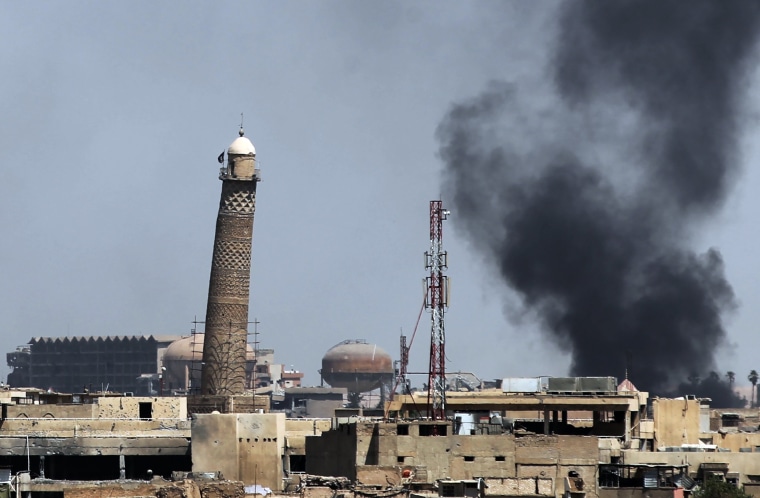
(241, 146)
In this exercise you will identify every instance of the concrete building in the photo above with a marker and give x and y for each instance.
(378, 453)
(76, 364)
(93, 437)
(246, 447)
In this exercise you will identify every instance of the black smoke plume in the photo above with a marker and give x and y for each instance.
(584, 196)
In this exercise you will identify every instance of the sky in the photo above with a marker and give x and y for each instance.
(112, 116)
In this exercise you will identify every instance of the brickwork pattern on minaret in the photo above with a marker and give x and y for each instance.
(226, 336)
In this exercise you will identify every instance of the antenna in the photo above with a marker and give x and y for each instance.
(256, 323)
(436, 300)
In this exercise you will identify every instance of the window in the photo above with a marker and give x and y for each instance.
(298, 463)
(433, 430)
(469, 459)
(146, 411)
(402, 429)
(500, 458)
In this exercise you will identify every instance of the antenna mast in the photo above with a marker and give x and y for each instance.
(403, 365)
(437, 301)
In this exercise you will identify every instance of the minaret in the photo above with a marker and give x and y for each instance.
(226, 336)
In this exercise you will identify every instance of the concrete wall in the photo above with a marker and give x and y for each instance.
(676, 422)
(129, 407)
(333, 453)
(261, 444)
(555, 456)
(733, 441)
(126, 407)
(51, 411)
(322, 408)
(296, 431)
(243, 447)
(636, 493)
(519, 486)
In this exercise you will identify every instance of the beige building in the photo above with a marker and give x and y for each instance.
(379, 453)
(95, 438)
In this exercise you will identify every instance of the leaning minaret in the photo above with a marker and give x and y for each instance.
(226, 337)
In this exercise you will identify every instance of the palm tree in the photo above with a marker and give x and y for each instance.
(731, 379)
(753, 377)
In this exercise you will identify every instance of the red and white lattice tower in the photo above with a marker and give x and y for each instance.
(437, 302)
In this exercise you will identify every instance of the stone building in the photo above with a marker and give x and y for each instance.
(378, 453)
(94, 437)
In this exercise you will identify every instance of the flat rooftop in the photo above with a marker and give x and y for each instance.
(499, 401)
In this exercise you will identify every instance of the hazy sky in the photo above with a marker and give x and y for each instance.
(112, 116)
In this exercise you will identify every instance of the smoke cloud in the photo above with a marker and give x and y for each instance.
(583, 197)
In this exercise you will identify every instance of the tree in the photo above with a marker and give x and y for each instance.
(753, 377)
(718, 488)
(354, 400)
(731, 379)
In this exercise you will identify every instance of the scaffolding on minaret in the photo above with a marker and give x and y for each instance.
(437, 301)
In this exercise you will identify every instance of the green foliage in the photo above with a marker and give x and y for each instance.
(354, 400)
(718, 488)
(753, 377)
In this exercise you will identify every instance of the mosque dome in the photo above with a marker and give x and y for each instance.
(186, 349)
(191, 349)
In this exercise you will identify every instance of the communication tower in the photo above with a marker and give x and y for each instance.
(437, 301)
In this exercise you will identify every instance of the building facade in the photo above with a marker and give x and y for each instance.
(78, 364)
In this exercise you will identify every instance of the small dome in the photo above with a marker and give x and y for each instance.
(241, 146)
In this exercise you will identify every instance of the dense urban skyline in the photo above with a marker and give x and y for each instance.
(115, 114)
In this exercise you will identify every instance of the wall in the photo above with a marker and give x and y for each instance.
(554, 456)
(111, 407)
(51, 411)
(244, 447)
(733, 441)
(296, 431)
(261, 444)
(745, 464)
(676, 422)
(516, 486)
(635, 493)
(129, 407)
(333, 453)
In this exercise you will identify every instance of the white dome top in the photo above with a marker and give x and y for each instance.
(241, 146)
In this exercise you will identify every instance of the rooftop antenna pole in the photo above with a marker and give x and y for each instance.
(256, 323)
(437, 301)
(403, 363)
